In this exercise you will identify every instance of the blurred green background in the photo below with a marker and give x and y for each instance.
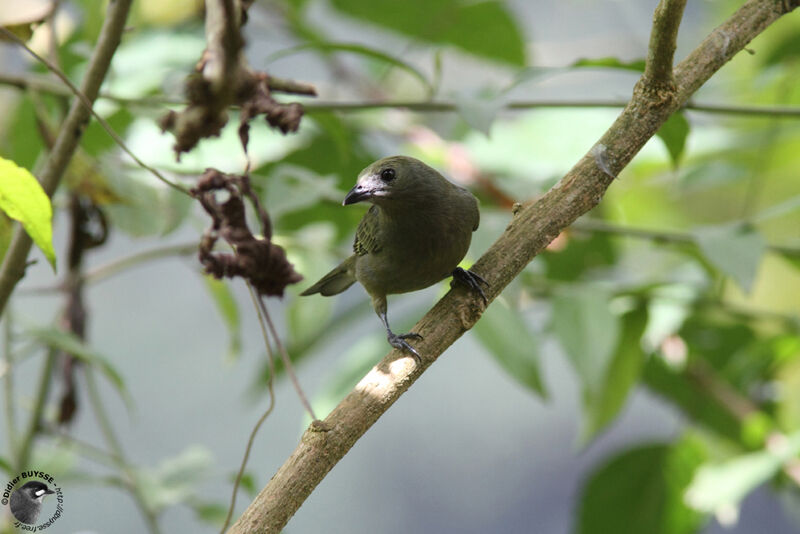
(641, 375)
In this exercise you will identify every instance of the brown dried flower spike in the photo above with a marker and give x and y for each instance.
(259, 261)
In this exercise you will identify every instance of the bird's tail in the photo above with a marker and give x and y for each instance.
(336, 281)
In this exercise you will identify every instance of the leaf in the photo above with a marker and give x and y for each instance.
(588, 332)
(23, 199)
(74, 346)
(717, 487)
(622, 374)
(787, 50)
(479, 112)
(503, 332)
(736, 250)
(482, 28)
(210, 512)
(176, 479)
(674, 133)
(610, 62)
(229, 312)
(641, 490)
(362, 50)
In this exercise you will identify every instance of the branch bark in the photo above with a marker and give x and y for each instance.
(534, 225)
(14, 262)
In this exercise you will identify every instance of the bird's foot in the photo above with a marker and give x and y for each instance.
(471, 280)
(398, 341)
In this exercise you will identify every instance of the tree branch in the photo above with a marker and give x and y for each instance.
(13, 267)
(663, 41)
(533, 226)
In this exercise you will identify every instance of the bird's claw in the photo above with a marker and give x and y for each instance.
(399, 342)
(471, 280)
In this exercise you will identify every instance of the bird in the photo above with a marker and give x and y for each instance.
(26, 502)
(415, 234)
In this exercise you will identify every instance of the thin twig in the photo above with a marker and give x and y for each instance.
(44, 84)
(270, 387)
(287, 362)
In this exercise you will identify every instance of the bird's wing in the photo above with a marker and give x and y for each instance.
(367, 234)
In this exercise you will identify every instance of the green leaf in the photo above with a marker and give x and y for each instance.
(229, 312)
(482, 28)
(479, 112)
(786, 51)
(23, 199)
(176, 479)
(74, 346)
(5, 465)
(361, 50)
(588, 332)
(674, 133)
(210, 512)
(736, 250)
(717, 487)
(641, 490)
(503, 332)
(611, 63)
(622, 374)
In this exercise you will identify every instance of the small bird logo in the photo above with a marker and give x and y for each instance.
(26, 502)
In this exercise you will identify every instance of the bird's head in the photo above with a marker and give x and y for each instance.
(36, 490)
(395, 178)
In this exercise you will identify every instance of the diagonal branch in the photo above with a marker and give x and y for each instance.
(14, 262)
(533, 226)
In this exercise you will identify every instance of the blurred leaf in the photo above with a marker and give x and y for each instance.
(85, 176)
(20, 17)
(136, 71)
(362, 50)
(5, 465)
(611, 63)
(96, 141)
(292, 188)
(482, 28)
(674, 133)
(247, 483)
(719, 486)
(229, 311)
(588, 332)
(6, 231)
(73, 345)
(779, 210)
(622, 374)
(674, 386)
(210, 512)
(176, 479)
(479, 112)
(24, 200)
(20, 139)
(148, 207)
(641, 490)
(786, 51)
(736, 250)
(503, 332)
(581, 254)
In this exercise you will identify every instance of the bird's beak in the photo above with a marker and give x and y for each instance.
(357, 194)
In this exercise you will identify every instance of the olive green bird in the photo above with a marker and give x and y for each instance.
(417, 230)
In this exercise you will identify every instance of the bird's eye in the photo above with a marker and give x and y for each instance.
(387, 175)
